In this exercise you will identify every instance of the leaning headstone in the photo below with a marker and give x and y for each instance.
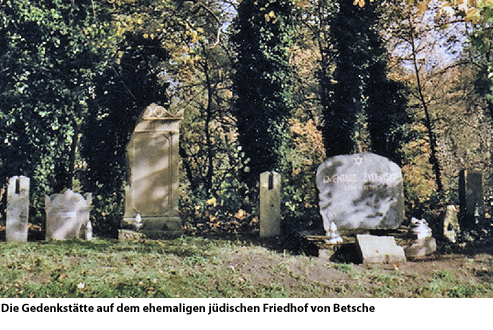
(379, 249)
(153, 162)
(17, 209)
(471, 197)
(67, 215)
(270, 204)
(363, 190)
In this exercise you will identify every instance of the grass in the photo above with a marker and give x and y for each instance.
(201, 267)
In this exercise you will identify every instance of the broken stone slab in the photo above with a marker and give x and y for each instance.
(363, 190)
(379, 249)
(421, 247)
(67, 215)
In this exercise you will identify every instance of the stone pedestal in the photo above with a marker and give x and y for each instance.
(17, 209)
(151, 196)
(270, 204)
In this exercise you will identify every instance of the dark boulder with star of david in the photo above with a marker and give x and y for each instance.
(363, 190)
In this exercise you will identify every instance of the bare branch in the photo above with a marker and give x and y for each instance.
(209, 10)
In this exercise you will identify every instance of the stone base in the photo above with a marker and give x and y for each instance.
(129, 235)
(155, 227)
(327, 252)
(421, 247)
(379, 249)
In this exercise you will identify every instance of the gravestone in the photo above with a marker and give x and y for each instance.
(17, 209)
(270, 204)
(450, 227)
(423, 243)
(67, 214)
(471, 198)
(363, 190)
(151, 197)
(379, 249)
(421, 247)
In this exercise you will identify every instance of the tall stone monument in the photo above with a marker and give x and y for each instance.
(270, 204)
(17, 209)
(471, 198)
(151, 196)
(363, 190)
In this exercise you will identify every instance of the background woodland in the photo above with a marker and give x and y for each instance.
(265, 85)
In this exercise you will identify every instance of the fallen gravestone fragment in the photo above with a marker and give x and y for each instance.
(379, 249)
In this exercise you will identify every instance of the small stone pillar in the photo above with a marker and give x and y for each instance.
(17, 209)
(471, 198)
(270, 204)
(151, 196)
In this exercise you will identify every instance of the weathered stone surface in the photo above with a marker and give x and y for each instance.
(419, 228)
(360, 191)
(67, 215)
(130, 235)
(451, 226)
(379, 249)
(471, 198)
(270, 204)
(153, 159)
(421, 247)
(17, 209)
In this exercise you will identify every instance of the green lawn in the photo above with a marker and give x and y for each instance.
(204, 267)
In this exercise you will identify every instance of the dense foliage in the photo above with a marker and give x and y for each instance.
(263, 82)
(48, 56)
(265, 85)
(365, 110)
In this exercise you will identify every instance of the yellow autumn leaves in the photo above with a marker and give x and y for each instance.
(360, 3)
(271, 16)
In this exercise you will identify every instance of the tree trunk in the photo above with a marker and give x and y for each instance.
(428, 123)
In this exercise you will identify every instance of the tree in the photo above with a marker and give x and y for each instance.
(365, 109)
(120, 93)
(263, 83)
(47, 60)
(168, 52)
